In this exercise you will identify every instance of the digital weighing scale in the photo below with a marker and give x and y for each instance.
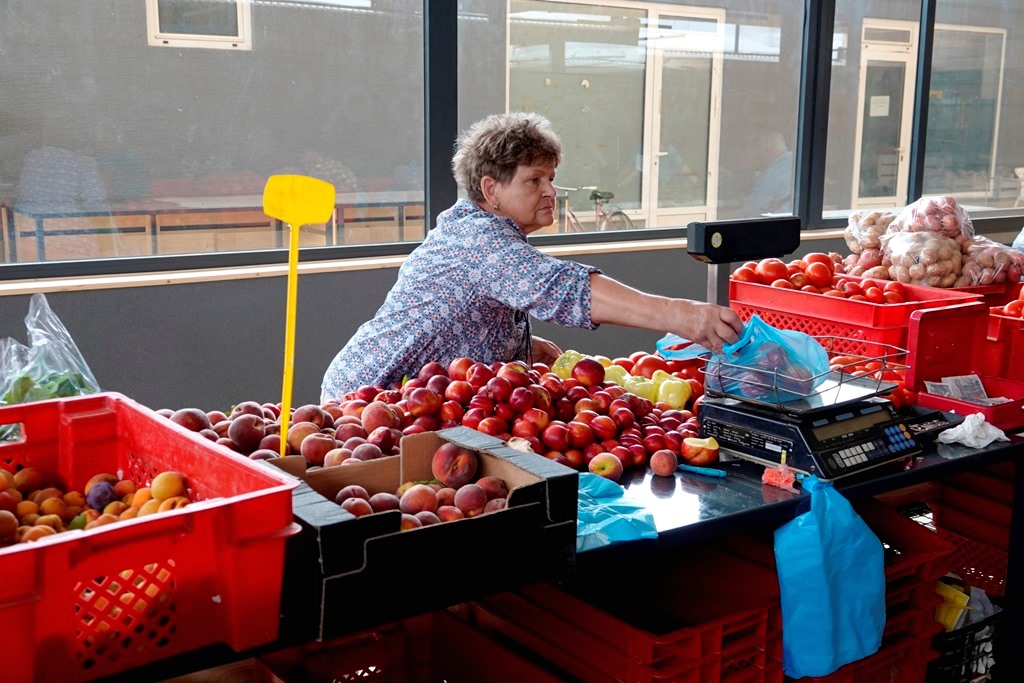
(844, 428)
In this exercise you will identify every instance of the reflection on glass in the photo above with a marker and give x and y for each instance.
(882, 117)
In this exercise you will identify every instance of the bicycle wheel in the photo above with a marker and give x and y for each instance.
(572, 224)
(617, 220)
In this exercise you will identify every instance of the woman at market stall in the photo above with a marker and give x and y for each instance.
(468, 290)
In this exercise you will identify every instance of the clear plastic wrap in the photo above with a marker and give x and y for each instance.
(940, 215)
(923, 258)
(865, 227)
(987, 262)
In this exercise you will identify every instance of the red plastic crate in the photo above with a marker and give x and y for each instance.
(913, 554)
(435, 646)
(977, 563)
(1005, 349)
(820, 315)
(80, 605)
(901, 662)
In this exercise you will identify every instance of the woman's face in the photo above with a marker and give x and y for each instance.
(529, 198)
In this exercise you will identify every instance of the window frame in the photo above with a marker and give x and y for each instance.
(241, 41)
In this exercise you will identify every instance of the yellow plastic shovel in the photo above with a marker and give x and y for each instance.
(296, 200)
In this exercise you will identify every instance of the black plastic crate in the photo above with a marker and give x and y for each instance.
(966, 654)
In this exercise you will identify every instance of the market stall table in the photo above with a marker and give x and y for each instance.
(691, 508)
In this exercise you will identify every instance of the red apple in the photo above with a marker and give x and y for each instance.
(674, 441)
(574, 458)
(606, 465)
(451, 410)
(498, 388)
(484, 403)
(585, 405)
(524, 428)
(590, 451)
(473, 417)
(438, 383)
(654, 442)
(431, 369)
(580, 434)
(603, 400)
(623, 454)
(516, 372)
(623, 417)
(539, 417)
(429, 423)
(604, 427)
(638, 453)
(367, 392)
(697, 451)
(494, 426)
(505, 411)
(576, 394)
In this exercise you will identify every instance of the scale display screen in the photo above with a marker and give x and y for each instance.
(847, 423)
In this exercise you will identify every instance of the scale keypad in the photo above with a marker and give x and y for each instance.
(896, 439)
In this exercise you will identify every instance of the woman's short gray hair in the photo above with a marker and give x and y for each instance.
(498, 144)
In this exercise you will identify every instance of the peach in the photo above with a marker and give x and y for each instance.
(471, 499)
(409, 522)
(453, 465)
(315, 447)
(246, 431)
(427, 518)
(700, 452)
(299, 431)
(607, 465)
(192, 419)
(378, 414)
(418, 498)
(384, 501)
(336, 456)
(311, 413)
(664, 462)
(357, 506)
(494, 487)
(449, 513)
(445, 496)
(367, 451)
(168, 484)
(495, 504)
(8, 526)
(351, 491)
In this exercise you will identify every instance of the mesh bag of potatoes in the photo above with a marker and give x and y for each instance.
(863, 228)
(922, 258)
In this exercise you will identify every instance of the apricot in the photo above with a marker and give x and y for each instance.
(129, 513)
(50, 520)
(8, 479)
(96, 478)
(141, 497)
(150, 507)
(168, 485)
(72, 498)
(173, 503)
(29, 519)
(114, 507)
(26, 507)
(48, 492)
(8, 526)
(102, 520)
(34, 533)
(53, 506)
(28, 479)
(74, 511)
(124, 488)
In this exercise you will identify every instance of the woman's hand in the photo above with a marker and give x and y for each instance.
(544, 351)
(709, 325)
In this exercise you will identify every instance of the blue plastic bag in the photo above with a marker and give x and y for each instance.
(767, 364)
(832, 583)
(603, 517)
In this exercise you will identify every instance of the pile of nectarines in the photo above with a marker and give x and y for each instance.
(33, 505)
(570, 419)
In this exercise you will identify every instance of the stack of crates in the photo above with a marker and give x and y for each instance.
(703, 616)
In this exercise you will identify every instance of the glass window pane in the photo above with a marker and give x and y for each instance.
(115, 149)
(871, 105)
(974, 141)
(655, 102)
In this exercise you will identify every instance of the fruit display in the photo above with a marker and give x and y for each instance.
(33, 504)
(572, 411)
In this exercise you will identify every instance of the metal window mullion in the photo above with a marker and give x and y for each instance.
(812, 119)
(922, 86)
(440, 105)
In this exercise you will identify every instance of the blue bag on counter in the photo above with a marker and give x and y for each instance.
(768, 364)
(604, 518)
(832, 584)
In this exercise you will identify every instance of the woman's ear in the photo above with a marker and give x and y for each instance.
(488, 187)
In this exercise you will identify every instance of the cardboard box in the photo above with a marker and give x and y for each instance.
(345, 573)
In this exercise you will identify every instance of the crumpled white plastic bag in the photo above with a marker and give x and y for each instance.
(974, 431)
